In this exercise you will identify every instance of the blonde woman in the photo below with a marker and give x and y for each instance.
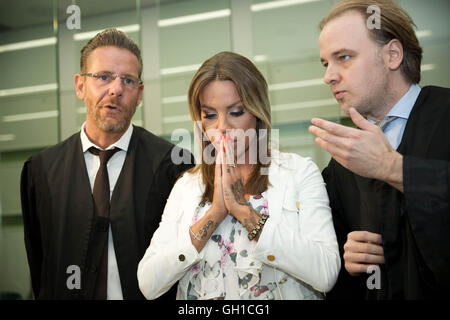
(247, 222)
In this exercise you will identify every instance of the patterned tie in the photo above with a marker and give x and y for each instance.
(101, 195)
(384, 123)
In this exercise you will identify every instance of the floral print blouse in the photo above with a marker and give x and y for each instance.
(228, 270)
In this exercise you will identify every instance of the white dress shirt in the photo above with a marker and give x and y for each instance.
(114, 166)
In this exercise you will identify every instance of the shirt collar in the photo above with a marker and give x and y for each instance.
(122, 143)
(403, 107)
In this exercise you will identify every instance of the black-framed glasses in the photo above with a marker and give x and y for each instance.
(105, 78)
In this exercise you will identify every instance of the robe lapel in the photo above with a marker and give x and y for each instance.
(74, 204)
(128, 203)
(74, 190)
(423, 115)
(417, 143)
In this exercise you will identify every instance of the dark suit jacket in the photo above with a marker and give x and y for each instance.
(415, 225)
(58, 213)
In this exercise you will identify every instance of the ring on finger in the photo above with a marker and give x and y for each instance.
(232, 165)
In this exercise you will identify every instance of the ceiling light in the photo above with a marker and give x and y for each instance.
(194, 18)
(296, 84)
(423, 33)
(305, 104)
(180, 69)
(91, 34)
(30, 89)
(30, 116)
(277, 4)
(7, 137)
(427, 67)
(28, 44)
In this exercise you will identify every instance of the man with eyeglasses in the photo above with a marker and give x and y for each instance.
(91, 203)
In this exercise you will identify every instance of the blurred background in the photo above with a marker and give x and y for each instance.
(40, 52)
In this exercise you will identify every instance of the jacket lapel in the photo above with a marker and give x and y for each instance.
(192, 199)
(278, 177)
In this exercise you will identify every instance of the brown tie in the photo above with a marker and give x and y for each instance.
(101, 195)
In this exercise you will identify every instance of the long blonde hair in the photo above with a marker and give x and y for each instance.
(253, 92)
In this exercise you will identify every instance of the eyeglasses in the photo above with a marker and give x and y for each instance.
(105, 78)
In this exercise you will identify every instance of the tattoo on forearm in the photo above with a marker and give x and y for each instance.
(251, 222)
(204, 230)
(227, 194)
(238, 191)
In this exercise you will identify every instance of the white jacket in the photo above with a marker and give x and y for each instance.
(297, 243)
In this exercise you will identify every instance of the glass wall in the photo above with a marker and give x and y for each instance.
(39, 55)
(190, 32)
(288, 54)
(28, 122)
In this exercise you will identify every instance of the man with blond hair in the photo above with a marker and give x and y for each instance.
(91, 203)
(389, 179)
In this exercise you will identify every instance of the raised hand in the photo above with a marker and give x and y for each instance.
(234, 191)
(202, 230)
(364, 151)
(232, 182)
(218, 203)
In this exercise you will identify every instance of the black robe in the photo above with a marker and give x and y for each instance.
(415, 225)
(58, 213)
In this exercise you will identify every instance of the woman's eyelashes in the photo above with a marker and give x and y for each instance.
(208, 115)
(212, 115)
(237, 113)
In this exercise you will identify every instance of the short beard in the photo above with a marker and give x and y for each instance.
(375, 105)
(113, 127)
